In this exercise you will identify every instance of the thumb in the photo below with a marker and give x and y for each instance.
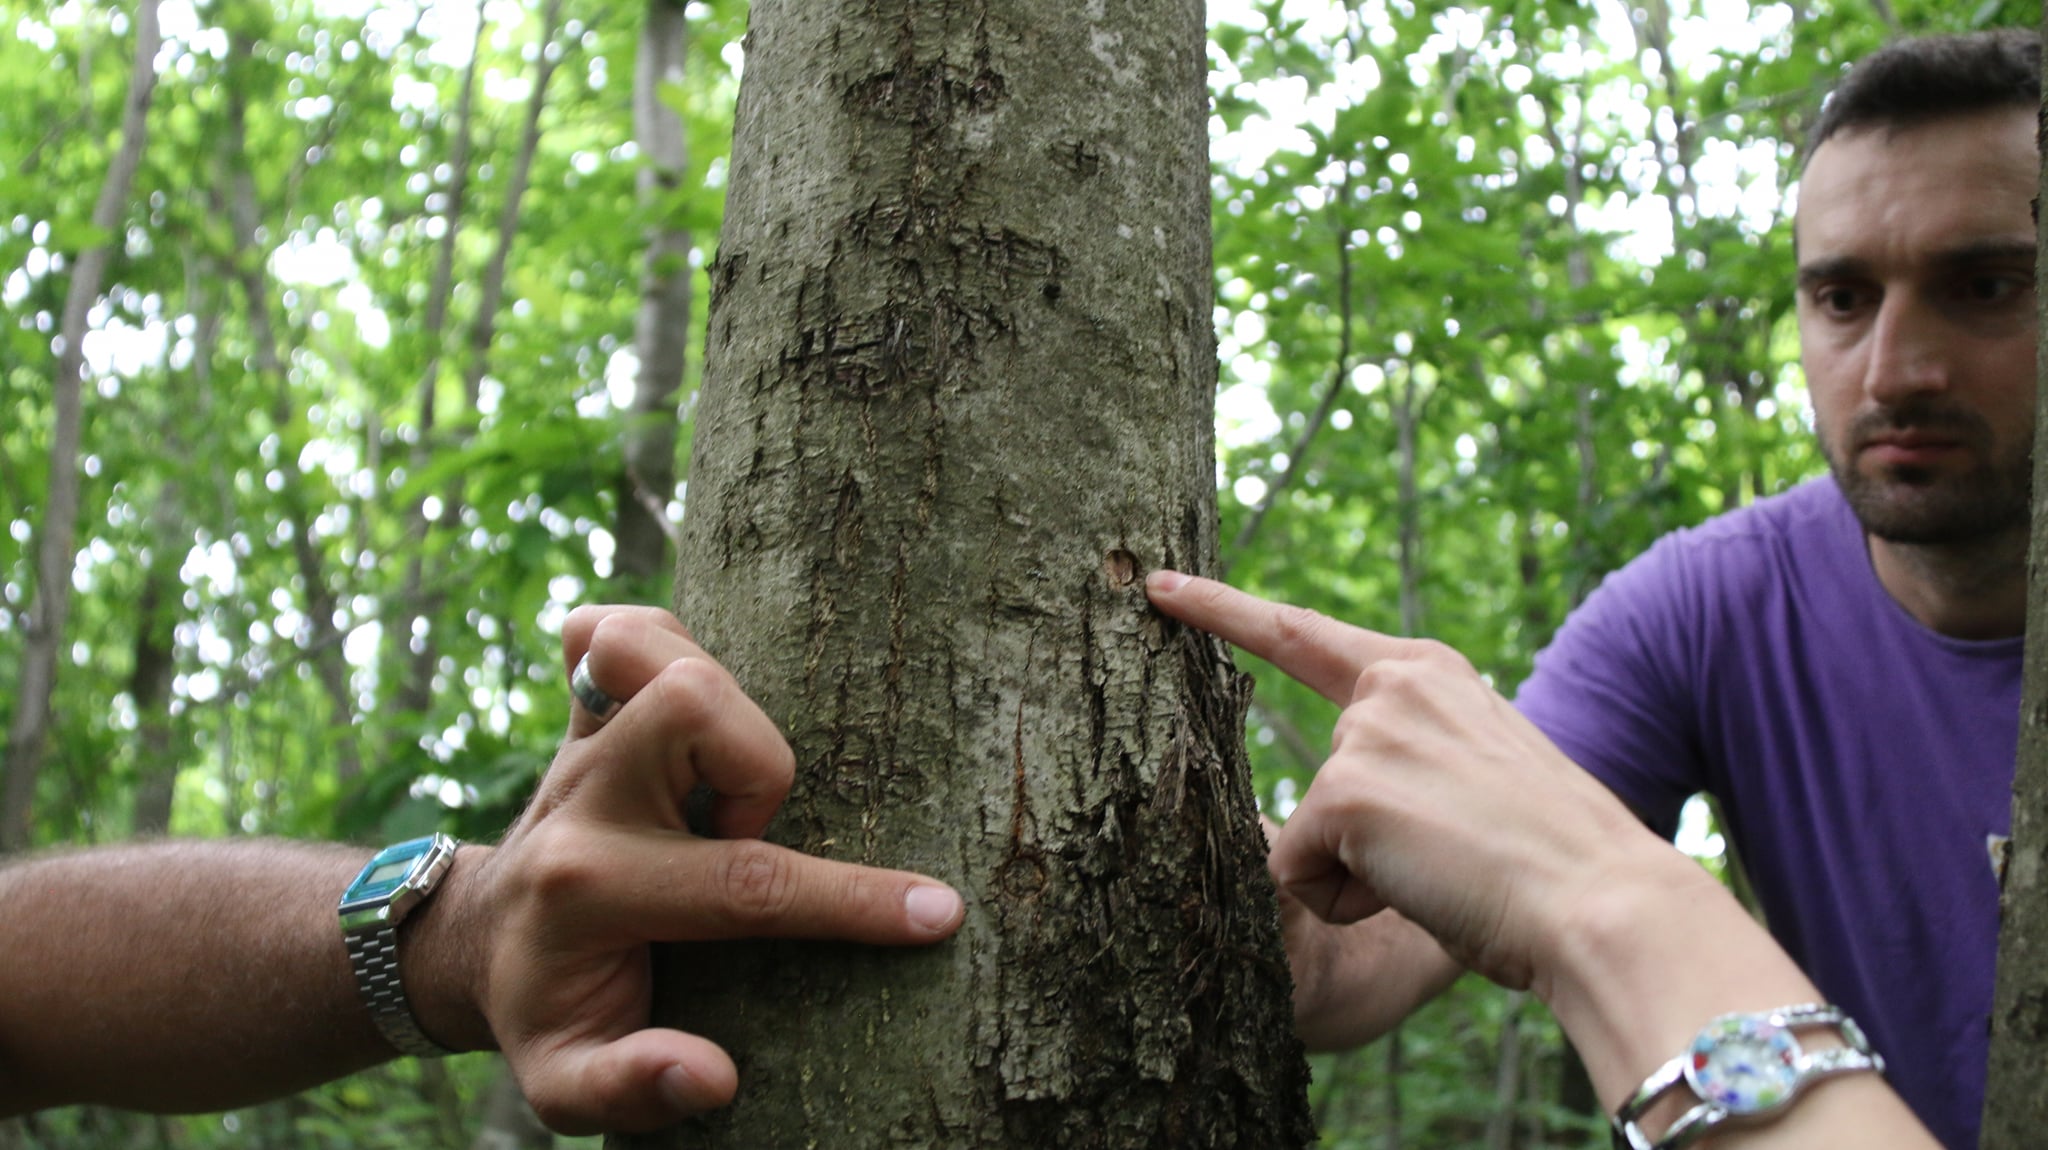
(643, 1081)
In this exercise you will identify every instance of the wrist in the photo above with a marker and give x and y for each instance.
(1644, 962)
(442, 961)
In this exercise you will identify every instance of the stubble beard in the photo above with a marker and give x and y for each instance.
(1931, 507)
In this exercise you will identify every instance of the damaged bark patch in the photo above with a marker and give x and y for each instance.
(924, 94)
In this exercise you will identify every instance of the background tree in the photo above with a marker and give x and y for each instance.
(2015, 1100)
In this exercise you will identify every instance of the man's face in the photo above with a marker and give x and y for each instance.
(1916, 322)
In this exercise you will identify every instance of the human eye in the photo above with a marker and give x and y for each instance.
(1991, 289)
(1840, 299)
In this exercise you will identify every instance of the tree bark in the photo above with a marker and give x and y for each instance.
(958, 402)
(29, 728)
(661, 334)
(2015, 1094)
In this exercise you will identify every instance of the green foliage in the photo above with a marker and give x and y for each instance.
(1546, 236)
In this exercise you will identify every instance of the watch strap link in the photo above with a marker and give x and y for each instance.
(373, 955)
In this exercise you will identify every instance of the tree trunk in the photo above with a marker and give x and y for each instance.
(426, 595)
(2015, 1095)
(149, 686)
(251, 259)
(958, 403)
(29, 728)
(414, 672)
(661, 335)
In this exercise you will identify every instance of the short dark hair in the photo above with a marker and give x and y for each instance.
(1911, 81)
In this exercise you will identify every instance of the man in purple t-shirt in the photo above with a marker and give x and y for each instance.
(1862, 759)
(1838, 664)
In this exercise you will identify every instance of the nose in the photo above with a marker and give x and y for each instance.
(1909, 352)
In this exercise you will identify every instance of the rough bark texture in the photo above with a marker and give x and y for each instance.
(958, 403)
(2016, 1094)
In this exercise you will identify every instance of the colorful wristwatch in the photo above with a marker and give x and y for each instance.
(1744, 1066)
(390, 885)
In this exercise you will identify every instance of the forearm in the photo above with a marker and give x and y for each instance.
(177, 976)
(1646, 965)
(1360, 981)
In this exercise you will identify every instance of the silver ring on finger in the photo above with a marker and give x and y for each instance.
(600, 705)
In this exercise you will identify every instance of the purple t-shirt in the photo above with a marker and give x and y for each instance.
(1861, 759)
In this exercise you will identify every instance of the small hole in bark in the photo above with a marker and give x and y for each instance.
(1122, 567)
(1022, 877)
(1051, 292)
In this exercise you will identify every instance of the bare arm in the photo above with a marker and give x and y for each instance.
(177, 976)
(1441, 802)
(201, 975)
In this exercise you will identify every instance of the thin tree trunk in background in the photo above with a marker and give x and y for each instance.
(324, 643)
(1340, 373)
(958, 402)
(1394, 1067)
(433, 336)
(424, 597)
(29, 729)
(661, 335)
(157, 608)
(149, 685)
(1507, 1076)
(2016, 1094)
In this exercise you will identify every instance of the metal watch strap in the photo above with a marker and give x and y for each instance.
(1700, 1119)
(373, 955)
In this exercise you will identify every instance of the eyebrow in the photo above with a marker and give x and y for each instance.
(1972, 254)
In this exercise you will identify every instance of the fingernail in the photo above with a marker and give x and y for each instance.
(1165, 582)
(932, 908)
(676, 1086)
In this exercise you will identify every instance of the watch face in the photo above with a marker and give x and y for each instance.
(384, 873)
(1744, 1063)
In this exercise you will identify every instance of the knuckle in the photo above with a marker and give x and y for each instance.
(613, 625)
(584, 618)
(691, 689)
(557, 872)
(1386, 677)
(1440, 656)
(759, 883)
(1293, 625)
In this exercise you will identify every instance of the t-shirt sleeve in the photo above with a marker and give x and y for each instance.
(1614, 689)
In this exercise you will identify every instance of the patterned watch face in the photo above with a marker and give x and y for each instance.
(1744, 1063)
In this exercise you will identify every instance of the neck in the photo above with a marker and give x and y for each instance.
(1974, 590)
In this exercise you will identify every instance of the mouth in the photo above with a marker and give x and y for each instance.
(1910, 448)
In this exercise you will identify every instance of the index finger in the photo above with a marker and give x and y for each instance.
(1316, 650)
(662, 887)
